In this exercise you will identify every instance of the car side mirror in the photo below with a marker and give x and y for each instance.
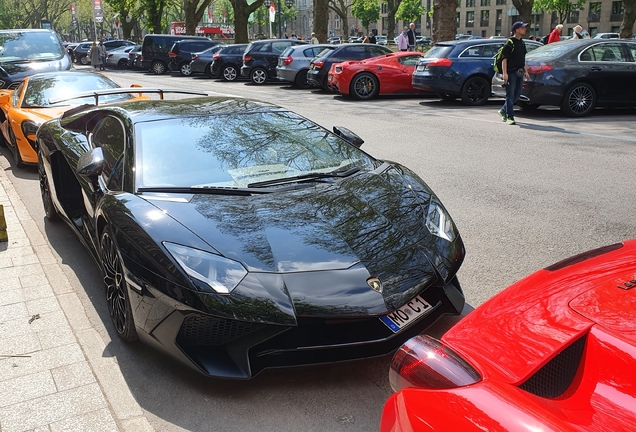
(91, 163)
(348, 136)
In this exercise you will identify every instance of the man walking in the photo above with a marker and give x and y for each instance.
(411, 36)
(513, 67)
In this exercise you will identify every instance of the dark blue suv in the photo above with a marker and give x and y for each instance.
(461, 68)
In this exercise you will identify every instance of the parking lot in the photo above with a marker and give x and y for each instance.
(522, 196)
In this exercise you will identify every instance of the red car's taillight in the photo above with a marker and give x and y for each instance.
(439, 62)
(539, 69)
(287, 60)
(216, 56)
(424, 362)
(171, 54)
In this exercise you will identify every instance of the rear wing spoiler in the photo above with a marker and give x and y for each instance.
(97, 93)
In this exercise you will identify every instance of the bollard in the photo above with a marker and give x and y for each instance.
(3, 226)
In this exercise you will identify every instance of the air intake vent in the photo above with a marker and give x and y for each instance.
(556, 376)
(14, 85)
(198, 330)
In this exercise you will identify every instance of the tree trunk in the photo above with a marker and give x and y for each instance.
(629, 17)
(321, 19)
(193, 14)
(242, 12)
(444, 20)
(392, 7)
(341, 10)
(524, 7)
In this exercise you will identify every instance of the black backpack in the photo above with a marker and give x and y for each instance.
(499, 56)
(544, 39)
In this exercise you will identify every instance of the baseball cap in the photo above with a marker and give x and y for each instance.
(518, 24)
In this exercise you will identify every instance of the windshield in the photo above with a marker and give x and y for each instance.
(439, 51)
(30, 46)
(234, 151)
(550, 51)
(42, 89)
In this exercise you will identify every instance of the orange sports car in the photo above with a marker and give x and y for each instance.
(23, 110)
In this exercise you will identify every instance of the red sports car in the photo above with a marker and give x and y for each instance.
(386, 74)
(556, 351)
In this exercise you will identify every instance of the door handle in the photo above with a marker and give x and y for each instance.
(596, 68)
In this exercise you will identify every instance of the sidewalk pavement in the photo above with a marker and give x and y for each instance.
(55, 371)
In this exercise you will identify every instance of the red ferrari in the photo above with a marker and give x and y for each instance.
(556, 351)
(386, 74)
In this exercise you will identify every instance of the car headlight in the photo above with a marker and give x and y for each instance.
(438, 222)
(222, 275)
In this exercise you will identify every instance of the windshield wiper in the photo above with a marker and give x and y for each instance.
(214, 190)
(304, 177)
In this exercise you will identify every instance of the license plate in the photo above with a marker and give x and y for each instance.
(407, 314)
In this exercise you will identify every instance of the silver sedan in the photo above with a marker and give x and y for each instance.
(118, 58)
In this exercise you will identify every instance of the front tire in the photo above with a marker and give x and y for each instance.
(258, 76)
(229, 73)
(158, 68)
(579, 100)
(45, 192)
(475, 91)
(364, 86)
(116, 289)
(84, 60)
(17, 157)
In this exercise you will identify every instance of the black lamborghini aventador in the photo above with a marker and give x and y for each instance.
(237, 235)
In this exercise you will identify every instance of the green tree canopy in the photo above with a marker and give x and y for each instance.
(410, 10)
(561, 7)
(367, 11)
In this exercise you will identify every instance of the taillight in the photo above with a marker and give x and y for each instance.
(131, 55)
(194, 56)
(539, 69)
(247, 58)
(287, 60)
(216, 56)
(110, 55)
(424, 362)
(439, 62)
(171, 54)
(318, 64)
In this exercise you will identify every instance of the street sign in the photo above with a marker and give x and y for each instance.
(97, 11)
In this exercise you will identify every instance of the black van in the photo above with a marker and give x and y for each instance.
(27, 52)
(156, 48)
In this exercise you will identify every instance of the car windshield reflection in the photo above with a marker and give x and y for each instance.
(238, 151)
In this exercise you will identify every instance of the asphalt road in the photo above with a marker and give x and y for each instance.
(522, 196)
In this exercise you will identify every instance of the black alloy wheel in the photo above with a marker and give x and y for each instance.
(122, 64)
(258, 76)
(301, 79)
(45, 192)
(229, 73)
(475, 91)
(158, 67)
(364, 86)
(579, 100)
(185, 69)
(116, 289)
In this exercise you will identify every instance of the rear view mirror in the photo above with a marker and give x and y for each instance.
(348, 136)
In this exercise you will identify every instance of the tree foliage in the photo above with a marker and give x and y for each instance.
(367, 11)
(561, 7)
(410, 10)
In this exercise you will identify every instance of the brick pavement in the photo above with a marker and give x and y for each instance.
(55, 371)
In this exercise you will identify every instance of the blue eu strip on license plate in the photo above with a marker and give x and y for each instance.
(407, 314)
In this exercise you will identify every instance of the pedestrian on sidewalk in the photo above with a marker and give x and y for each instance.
(93, 54)
(514, 71)
(411, 35)
(555, 36)
(102, 55)
(403, 40)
